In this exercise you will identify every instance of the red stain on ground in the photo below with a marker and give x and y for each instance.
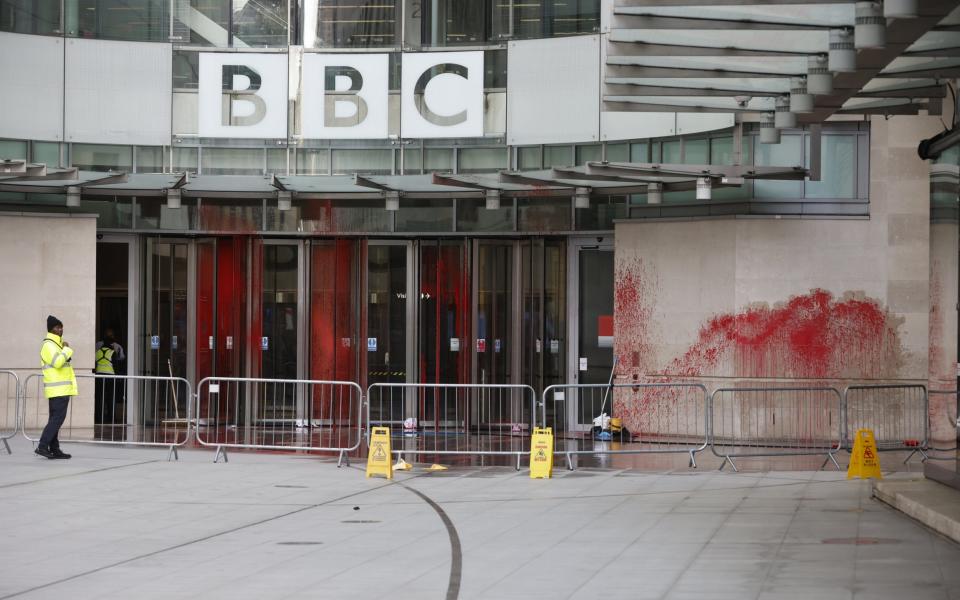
(810, 336)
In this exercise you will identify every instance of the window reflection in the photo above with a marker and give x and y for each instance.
(36, 16)
(356, 23)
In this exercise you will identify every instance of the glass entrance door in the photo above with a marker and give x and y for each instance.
(493, 344)
(592, 292)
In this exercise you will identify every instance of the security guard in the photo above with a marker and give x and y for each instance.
(108, 352)
(59, 383)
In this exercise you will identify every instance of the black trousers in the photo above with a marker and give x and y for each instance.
(104, 400)
(58, 414)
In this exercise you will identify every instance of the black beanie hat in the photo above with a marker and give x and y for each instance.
(52, 322)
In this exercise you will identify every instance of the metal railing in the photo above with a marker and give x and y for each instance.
(140, 410)
(279, 414)
(788, 421)
(662, 418)
(897, 414)
(455, 419)
(10, 410)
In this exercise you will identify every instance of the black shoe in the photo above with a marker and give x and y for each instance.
(57, 453)
(45, 451)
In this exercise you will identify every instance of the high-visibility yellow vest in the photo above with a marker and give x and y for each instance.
(58, 377)
(104, 360)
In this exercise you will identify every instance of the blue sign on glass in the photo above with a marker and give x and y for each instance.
(371, 344)
(496, 345)
(154, 342)
(264, 343)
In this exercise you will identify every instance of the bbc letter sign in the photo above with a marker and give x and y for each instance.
(243, 95)
(345, 96)
(442, 95)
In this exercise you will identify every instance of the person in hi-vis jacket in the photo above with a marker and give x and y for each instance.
(59, 383)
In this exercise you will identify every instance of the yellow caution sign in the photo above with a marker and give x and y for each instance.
(378, 457)
(864, 461)
(541, 453)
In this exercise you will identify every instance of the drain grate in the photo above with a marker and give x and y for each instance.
(360, 521)
(299, 543)
(860, 541)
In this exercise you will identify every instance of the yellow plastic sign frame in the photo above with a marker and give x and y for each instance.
(864, 459)
(379, 455)
(541, 453)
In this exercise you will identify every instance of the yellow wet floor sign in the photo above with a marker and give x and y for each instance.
(864, 460)
(378, 456)
(541, 453)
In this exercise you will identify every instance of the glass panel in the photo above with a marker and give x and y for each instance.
(152, 213)
(412, 161)
(670, 152)
(278, 322)
(721, 151)
(113, 213)
(334, 339)
(136, 20)
(165, 309)
(528, 158)
(371, 162)
(277, 161)
(387, 317)
(696, 152)
(261, 23)
(473, 215)
(444, 316)
(494, 335)
(347, 216)
(495, 69)
(101, 157)
(47, 153)
(592, 152)
(640, 152)
(784, 154)
(618, 152)
(438, 159)
(13, 150)
(185, 159)
(528, 19)
(356, 24)
(544, 309)
(543, 214)
(238, 216)
(596, 320)
(838, 167)
(202, 22)
(30, 16)
(557, 156)
(425, 215)
(186, 70)
(475, 160)
(112, 294)
(566, 17)
(232, 161)
(602, 212)
(313, 162)
(453, 22)
(149, 159)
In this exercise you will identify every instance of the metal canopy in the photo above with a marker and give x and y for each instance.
(738, 56)
(594, 178)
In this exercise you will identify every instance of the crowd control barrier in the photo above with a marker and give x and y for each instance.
(9, 406)
(663, 418)
(138, 410)
(788, 421)
(279, 414)
(474, 420)
(898, 415)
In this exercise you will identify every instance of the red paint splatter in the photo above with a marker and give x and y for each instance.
(810, 336)
(635, 287)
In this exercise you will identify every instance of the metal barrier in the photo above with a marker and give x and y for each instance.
(10, 411)
(663, 418)
(790, 421)
(279, 414)
(949, 398)
(458, 419)
(897, 414)
(140, 410)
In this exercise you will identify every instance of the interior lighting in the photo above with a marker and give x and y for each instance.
(842, 57)
(704, 189)
(769, 134)
(783, 118)
(581, 197)
(801, 101)
(493, 199)
(870, 30)
(654, 193)
(73, 196)
(392, 200)
(173, 198)
(284, 200)
(819, 77)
